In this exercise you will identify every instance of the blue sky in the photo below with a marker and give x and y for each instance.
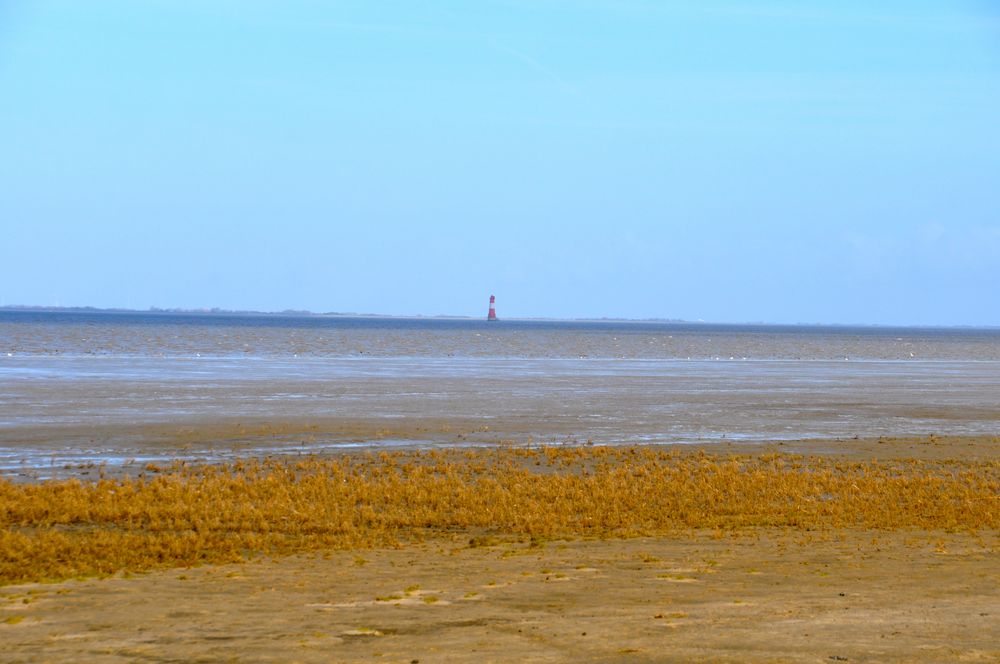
(729, 161)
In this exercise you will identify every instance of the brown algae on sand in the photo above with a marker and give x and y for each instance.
(190, 515)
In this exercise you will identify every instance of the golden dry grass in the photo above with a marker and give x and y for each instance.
(187, 515)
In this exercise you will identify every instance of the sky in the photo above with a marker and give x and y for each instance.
(786, 162)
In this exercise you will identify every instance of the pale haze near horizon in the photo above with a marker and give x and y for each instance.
(725, 161)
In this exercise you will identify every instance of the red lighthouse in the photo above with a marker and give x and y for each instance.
(493, 308)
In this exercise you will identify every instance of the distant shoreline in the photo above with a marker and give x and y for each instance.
(301, 313)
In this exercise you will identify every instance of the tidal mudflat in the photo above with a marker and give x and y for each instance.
(314, 489)
(79, 389)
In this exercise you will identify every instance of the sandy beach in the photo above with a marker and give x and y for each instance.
(753, 594)
(763, 597)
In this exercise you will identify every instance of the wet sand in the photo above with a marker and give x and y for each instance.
(55, 452)
(752, 595)
(113, 406)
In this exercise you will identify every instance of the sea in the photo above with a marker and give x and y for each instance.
(85, 388)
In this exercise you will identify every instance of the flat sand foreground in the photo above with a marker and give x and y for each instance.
(853, 596)
(920, 582)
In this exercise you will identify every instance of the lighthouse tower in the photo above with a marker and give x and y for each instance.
(493, 308)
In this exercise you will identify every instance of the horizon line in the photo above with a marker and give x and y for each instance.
(306, 313)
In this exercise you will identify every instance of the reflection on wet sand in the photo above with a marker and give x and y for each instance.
(77, 390)
(79, 410)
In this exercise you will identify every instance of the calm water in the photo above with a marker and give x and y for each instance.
(178, 335)
(609, 382)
